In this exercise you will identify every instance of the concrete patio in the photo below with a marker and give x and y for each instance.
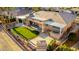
(42, 36)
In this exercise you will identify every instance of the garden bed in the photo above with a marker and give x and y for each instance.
(53, 44)
(64, 48)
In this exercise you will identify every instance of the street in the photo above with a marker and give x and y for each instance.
(6, 43)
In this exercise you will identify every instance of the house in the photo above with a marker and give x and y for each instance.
(56, 9)
(52, 23)
(18, 12)
(44, 8)
(75, 10)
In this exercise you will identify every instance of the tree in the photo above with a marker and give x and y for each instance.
(72, 36)
(36, 9)
(52, 45)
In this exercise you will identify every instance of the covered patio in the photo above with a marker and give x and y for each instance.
(56, 28)
(21, 18)
(36, 23)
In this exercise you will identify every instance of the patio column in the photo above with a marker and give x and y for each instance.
(60, 31)
(27, 22)
(42, 28)
(22, 21)
(17, 20)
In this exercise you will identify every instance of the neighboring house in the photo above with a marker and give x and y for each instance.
(76, 27)
(19, 13)
(57, 9)
(44, 8)
(76, 10)
(22, 13)
(53, 23)
(11, 25)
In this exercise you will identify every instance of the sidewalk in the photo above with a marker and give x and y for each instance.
(7, 44)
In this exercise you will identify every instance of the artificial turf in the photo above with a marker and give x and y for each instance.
(27, 33)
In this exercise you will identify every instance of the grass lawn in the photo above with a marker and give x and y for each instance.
(27, 33)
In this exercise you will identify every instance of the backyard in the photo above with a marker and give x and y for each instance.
(25, 32)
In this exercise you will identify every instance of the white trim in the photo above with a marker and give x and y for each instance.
(55, 24)
(37, 18)
(22, 16)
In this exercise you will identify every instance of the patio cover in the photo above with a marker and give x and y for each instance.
(55, 24)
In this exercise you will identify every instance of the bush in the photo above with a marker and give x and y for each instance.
(36, 9)
(64, 48)
(72, 36)
(52, 45)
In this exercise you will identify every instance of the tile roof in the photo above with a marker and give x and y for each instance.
(19, 11)
(67, 17)
(45, 15)
(59, 17)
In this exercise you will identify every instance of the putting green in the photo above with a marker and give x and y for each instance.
(27, 33)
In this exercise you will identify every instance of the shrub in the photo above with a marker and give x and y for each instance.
(36, 9)
(64, 48)
(72, 36)
(52, 45)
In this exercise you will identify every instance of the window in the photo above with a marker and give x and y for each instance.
(56, 29)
